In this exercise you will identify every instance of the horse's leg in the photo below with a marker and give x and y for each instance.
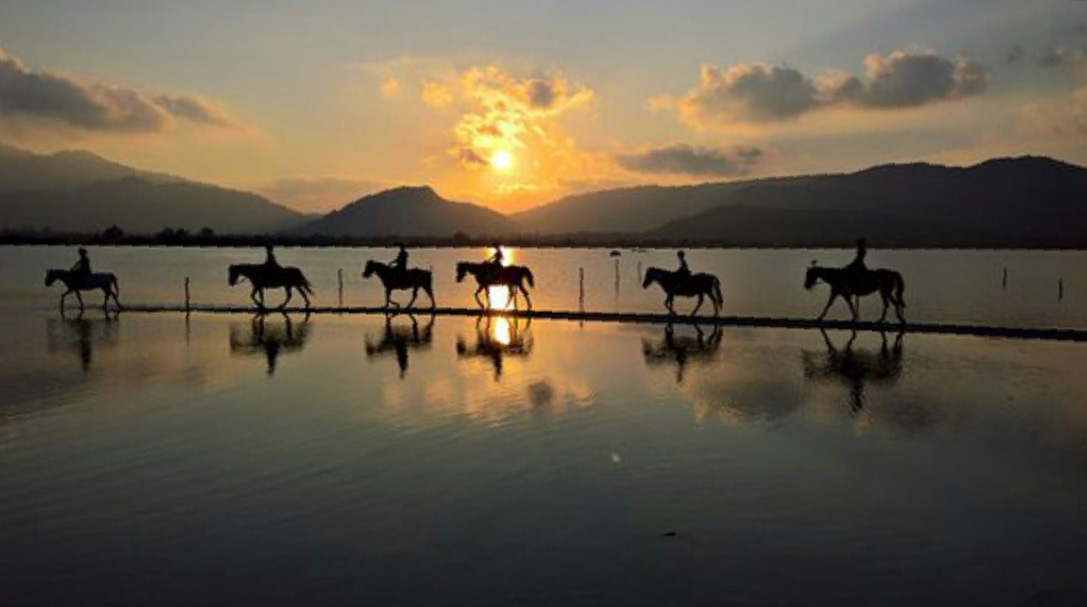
(105, 298)
(852, 308)
(701, 298)
(414, 294)
(528, 299)
(833, 296)
(302, 292)
(63, 296)
(668, 303)
(253, 295)
(290, 293)
(430, 294)
(478, 301)
(883, 295)
(80, 298)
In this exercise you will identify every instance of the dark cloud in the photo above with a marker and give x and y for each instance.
(696, 161)
(904, 79)
(43, 96)
(541, 94)
(760, 93)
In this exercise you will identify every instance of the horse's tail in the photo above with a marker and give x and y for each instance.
(900, 287)
(303, 283)
(531, 280)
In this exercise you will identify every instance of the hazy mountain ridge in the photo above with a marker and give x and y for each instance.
(78, 191)
(410, 212)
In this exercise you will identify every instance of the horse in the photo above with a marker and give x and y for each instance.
(264, 277)
(489, 274)
(695, 285)
(394, 279)
(850, 283)
(77, 281)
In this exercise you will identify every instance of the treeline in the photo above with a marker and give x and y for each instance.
(206, 237)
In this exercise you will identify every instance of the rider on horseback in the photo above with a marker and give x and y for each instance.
(270, 257)
(497, 260)
(857, 266)
(400, 264)
(683, 271)
(83, 266)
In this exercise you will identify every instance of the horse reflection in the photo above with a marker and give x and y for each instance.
(82, 335)
(684, 349)
(269, 339)
(496, 339)
(399, 339)
(855, 368)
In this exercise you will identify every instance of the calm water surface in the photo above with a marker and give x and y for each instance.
(156, 460)
(225, 460)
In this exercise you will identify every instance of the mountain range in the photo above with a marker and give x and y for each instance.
(1007, 202)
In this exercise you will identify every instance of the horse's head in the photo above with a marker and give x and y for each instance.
(51, 276)
(371, 266)
(462, 270)
(651, 275)
(812, 276)
(233, 274)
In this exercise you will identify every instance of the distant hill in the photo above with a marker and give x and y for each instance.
(1026, 201)
(630, 210)
(82, 192)
(409, 211)
(746, 226)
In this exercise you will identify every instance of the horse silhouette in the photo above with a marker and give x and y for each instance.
(497, 342)
(263, 277)
(399, 339)
(683, 350)
(696, 285)
(488, 275)
(849, 283)
(77, 281)
(395, 279)
(855, 368)
(269, 340)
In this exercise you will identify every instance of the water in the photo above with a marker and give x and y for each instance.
(941, 286)
(161, 460)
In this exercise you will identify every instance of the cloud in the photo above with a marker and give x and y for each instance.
(502, 112)
(755, 93)
(60, 99)
(696, 161)
(1074, 58)
(436, 94)
(390, 88)
(1057, 118)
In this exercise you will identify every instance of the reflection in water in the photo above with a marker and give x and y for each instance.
(684, 349)
(855, 367)
(398, 339)
(496, 338)
(81, 335)
(269, 339)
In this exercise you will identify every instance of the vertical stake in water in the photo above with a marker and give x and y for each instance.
(1004, 282)
(339, 279)
(1060, 289)
(581, 288)
(639, 270)
(187, 300)
(616, 276)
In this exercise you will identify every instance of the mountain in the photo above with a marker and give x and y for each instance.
(409, 211)
(1025, 201)
(77, 191)
(745, 226)
(630, 210)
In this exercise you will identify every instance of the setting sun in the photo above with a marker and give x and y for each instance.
(502, 161)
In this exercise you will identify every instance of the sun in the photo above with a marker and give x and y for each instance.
(502, 161)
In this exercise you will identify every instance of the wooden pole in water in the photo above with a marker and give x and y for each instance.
(616, 275)
(187, 300)
(1004, 282)
(581, 288)
(1060, 289)
(339, 279)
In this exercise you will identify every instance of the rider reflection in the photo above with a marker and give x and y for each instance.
(496, 339)
(82, 336)
(269, 339)
(684, 349)
(399, 340)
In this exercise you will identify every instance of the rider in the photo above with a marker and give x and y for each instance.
(401, 262)
(683, 271)
(857, 265)
(499, 257)
(270, 258)
(83, 266)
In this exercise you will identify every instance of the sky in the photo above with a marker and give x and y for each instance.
(513, 103)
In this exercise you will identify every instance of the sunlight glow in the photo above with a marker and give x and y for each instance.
(498, 298)
(502, 161)
(502, 331)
